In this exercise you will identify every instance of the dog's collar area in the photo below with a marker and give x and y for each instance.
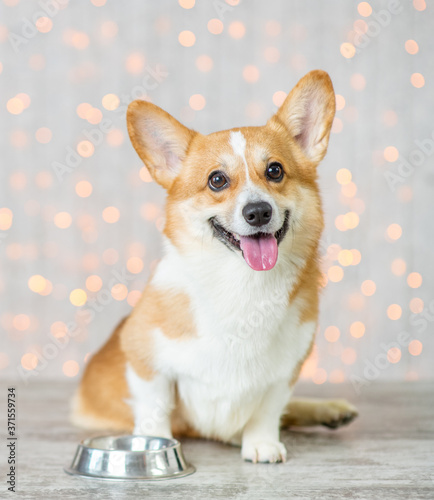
(231, 240)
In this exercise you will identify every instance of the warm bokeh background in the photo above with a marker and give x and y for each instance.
(80, 219)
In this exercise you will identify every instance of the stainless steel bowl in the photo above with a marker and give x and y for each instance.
(130, 458)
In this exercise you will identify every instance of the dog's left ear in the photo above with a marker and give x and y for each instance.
(308, 112)
(159, 139)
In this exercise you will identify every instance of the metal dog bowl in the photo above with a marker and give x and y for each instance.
(130, 457)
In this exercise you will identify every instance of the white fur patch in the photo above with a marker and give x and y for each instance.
(238, 143)
(248, 339)
(151, 402)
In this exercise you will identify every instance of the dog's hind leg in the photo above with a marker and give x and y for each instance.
(332, 413)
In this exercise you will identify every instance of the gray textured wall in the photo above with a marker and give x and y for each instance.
(52, 239)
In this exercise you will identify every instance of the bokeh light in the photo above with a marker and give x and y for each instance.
(197, 102)
(187, 4)
(419, 5)
(394, 312)
(417, 80)
(394, 231)
(364, 9)
(348, 50)
(391, 154)
(398, 266)
(109, 29)
(85, 149)
(237, 30)
(414, 280)
(340, 102)
(204, 63)
(37, 283)
(135, 63)
(416, 305)
(357, 329)
(351, 220)
(15, 106)
(145, 175)
(187, 38)
(44, 24)
(349, 356)
(43, 135)
(29, 361)
(332, 333)
(215, 26)
(335, 274)
(83, 189)
(279, 98)
(415, 347)
(115, 137)
(368, 288)
(63, 220)
(70, 368)
(251, 73)
(358, 81)
(394, 354)
(111, 214)
(78, 297)
(411, 47)
(6, 218)
(320, 376)
(58, 329)
(135, 265)
(93, 283)
(119, 291)
(133, 297)
(345, 258)
(21, 322)
(337, 125)
(343, 176)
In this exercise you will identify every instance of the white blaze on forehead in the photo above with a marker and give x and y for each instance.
(238, 143)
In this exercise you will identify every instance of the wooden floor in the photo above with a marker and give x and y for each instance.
(387, 453)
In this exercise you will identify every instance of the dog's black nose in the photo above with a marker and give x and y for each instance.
(258, 214)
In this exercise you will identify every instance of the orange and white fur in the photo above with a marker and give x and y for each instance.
(216, 343)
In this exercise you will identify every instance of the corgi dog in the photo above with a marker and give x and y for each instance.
(216, 342)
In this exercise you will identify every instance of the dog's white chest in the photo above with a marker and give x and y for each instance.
(247, 338)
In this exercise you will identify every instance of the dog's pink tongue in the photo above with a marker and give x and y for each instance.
(259, 252)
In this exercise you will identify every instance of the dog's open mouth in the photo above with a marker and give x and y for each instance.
(259, 250)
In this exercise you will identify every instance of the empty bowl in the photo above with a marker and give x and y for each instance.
(130, 457)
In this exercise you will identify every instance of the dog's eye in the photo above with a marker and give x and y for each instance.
(217, 181)
(274, 172)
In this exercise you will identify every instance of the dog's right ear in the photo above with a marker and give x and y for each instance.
(159, 139)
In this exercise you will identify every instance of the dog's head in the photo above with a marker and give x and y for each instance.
(252, 189)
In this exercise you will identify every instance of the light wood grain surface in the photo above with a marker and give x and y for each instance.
(387, 453)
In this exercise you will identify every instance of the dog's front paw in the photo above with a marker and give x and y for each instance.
(263, 451)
